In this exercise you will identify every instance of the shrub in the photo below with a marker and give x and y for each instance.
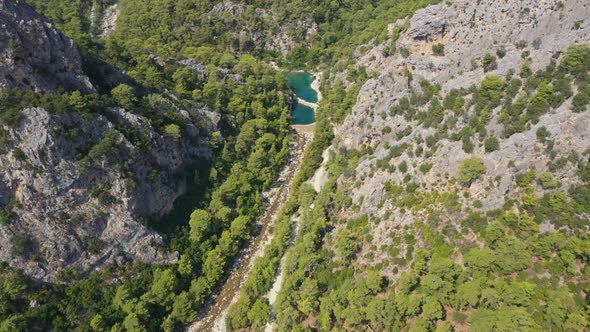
(173, 130)
(94, 245)
(19, 154)
(21, 245)
(542, 134)
(107, 145)
(525, 70)
(580, 102)
(404, 52)
(489, 62)
(491, 144)
(576, 60)
(438, 49)
(470, 170)
(548, 181)
(403, 166)
(501, 52)
(5, 215)
(124, 96)
(581, 195)
(467, 144)
(520, 44)
(425, 168)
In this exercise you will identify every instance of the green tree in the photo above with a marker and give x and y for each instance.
(173, 130)
(575, 322)
(491, 144)
(580, 102)
(259, 315)
(489, 62)
(421, 325)
(78, 101)
(542, 134)
(511, 255)
(132, 323)
(471, 169)
(124, 96)
(432, 309)
(183, 308)
(491, 88)
(308, 296)
(185, 266)
(11, 323)
(162, 290)
(576, 60)
(374, 281)
(214, 265)
(346, 244)
(97, 323)
(515, 319)
(407, 282)
(444, 327)
(238, 313)
(468, 293)
(480, 261)
(548, 181)
(438, 49)
(525, 70)
(200, 224)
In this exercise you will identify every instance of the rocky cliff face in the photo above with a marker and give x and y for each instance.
(514, 33)
(34, 55)
(77, 189)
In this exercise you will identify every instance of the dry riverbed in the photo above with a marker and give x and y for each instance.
(213, 317)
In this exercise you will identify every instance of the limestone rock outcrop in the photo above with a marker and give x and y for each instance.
(35, 55)
(79, 191)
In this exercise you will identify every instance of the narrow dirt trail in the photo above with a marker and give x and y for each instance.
(213, 318)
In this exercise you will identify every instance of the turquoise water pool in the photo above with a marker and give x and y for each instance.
(301, 84)
(303, 115)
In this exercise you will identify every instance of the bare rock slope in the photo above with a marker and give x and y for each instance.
(76, 189)
(35, 55)
(517, 34)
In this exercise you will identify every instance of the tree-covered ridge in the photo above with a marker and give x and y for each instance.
(165, 28)
(511, 278)
(79, 19)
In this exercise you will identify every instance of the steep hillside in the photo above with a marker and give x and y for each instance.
(446, 188)
(455, 194)
(75, 189)
(79, 174)
(123, 204)
(34, 55)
